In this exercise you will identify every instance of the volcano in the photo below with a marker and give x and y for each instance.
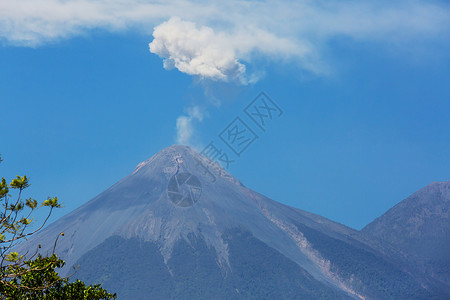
(180, 227)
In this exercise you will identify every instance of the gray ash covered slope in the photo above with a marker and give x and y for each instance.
(419, 227)
(225, 242)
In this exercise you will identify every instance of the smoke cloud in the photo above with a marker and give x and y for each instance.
(196, 51)
(185, 124)
(220, 41)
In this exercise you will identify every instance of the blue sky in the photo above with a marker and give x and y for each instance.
(364, 89)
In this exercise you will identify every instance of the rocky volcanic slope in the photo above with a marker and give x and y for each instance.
(173, 230)
(419, 227)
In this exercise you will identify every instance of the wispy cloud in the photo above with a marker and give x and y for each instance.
(281, 29)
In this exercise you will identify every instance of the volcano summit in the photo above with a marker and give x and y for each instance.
(180, 227)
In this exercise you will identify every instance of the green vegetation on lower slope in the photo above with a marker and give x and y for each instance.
(136, 270)
(260, 272)
(372, 275)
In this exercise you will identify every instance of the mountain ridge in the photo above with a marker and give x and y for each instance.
(419, 226)
(178, 203)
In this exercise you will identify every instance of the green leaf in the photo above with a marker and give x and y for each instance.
(4, 190)
(25, 221)
(31, 203)
(52, 202)
(20, 182)
(13, 256)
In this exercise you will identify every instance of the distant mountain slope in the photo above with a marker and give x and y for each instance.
(419, 226)
(175, 230)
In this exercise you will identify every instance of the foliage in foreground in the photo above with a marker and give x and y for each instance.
(32, 277)
(43, 282)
